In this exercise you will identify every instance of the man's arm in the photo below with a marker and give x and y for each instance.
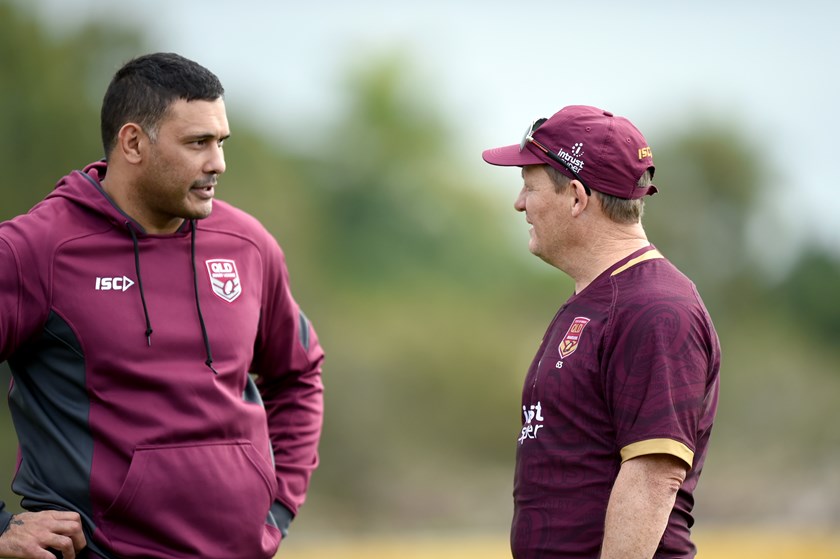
(287, 362)
(293, 400)
(640, 504)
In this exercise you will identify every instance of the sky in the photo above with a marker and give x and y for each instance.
(770, 69)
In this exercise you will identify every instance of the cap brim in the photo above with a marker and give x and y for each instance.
(511, 156)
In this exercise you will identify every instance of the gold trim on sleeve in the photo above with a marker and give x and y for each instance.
(658, 446)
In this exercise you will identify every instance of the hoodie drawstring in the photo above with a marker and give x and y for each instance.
(140, 282)
(206, 338)
(209, 361)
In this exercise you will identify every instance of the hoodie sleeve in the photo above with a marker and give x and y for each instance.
(10, 283)
(24, 283)
(287, 362)
(9, 310)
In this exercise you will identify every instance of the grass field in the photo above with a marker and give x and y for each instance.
(711, 545)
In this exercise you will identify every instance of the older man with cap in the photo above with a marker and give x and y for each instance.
(619, 401)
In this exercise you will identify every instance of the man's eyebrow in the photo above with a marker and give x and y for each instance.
(204, 136)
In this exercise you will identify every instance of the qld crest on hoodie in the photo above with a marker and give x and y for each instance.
(224, 279)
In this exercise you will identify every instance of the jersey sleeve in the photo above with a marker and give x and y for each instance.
(657, 378)
(287, 363)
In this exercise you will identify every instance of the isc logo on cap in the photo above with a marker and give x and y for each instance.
(224, 279)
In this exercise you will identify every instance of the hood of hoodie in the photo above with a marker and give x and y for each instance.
(84, 188)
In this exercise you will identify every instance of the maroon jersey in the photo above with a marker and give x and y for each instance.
(628, 367)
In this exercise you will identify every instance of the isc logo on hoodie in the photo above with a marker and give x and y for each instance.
(113, 284)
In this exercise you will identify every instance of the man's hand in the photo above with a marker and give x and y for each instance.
(31, 535)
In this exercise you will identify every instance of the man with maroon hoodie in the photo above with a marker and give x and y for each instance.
(166, 387)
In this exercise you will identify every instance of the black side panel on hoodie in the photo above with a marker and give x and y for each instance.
(50, 407)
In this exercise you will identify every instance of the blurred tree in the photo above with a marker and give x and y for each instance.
(812, 292)
(709, 178)
(390, 185)
(49, 113)
(421, 306)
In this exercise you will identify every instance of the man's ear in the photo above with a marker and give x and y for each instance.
(579, 199)
(129, 142)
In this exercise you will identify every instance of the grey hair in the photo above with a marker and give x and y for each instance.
(619, 210)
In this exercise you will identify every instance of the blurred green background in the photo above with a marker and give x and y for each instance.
(408, 257)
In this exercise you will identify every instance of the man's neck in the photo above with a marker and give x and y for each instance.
(603, 252)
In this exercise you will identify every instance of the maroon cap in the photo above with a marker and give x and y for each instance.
(607, 152)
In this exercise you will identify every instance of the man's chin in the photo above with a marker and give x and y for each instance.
(201, 211)
(535, 250)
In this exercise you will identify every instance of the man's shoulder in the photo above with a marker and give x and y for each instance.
(652, 278)
(227, 219)
(226, 216)
(226, 212)
(653, 291)
(47, 225)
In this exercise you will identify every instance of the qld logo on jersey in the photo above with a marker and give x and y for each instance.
(572, 338)
(224, 279)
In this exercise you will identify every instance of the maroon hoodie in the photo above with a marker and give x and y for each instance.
(166, 387)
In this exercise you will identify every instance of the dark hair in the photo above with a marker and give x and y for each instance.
(144, 88)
